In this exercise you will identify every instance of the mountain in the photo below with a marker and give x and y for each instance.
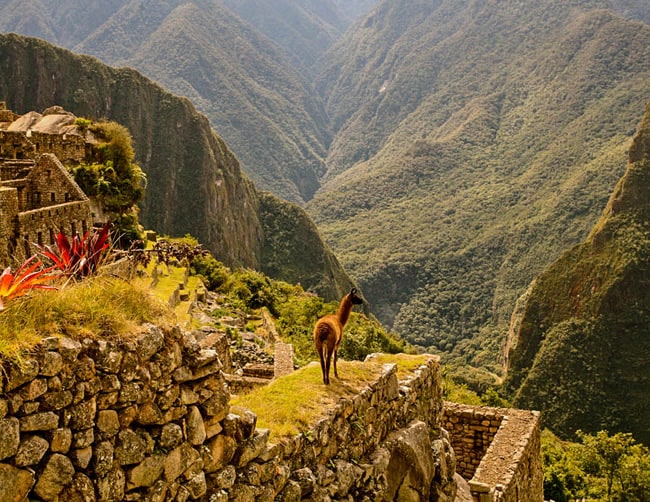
(580, 349)
(302, 29)
(456, 147)
(194, 182)
(474, 143)
(239, 78)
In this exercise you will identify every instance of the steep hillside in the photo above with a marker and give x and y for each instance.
(293, 248)
(195, 184)
(475, 142)
(302, 29)
(255, 100)
(581, 347)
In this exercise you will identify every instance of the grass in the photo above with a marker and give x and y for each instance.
(294, 403)
(406, 363)
(98, 306)
(169, 282)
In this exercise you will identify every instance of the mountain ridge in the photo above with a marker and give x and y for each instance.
(505, 162)
(578, 347)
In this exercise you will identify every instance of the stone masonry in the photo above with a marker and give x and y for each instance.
(38, 197)
(149, 419)
(497, 450)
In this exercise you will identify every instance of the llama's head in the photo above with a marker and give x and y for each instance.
(355, 297)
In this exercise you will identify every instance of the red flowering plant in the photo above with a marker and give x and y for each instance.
(81, 256)
(30, 275)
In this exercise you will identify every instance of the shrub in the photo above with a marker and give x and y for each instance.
(81, 256)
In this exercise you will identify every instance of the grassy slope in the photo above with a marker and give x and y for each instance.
(293, 403)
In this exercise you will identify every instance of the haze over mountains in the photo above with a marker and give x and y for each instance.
(448, 150)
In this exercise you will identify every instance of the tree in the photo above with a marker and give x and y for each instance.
(604, 454)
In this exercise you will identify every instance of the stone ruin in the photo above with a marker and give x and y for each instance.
(38, 197)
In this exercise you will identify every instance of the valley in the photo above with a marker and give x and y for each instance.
(446, 152)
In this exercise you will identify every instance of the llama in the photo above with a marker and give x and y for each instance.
(328, 333)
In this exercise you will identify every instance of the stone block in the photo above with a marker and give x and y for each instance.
(15, 483)
(58, 472)
(45, 421)
(9, 437)
(31, 451)
(146, 473)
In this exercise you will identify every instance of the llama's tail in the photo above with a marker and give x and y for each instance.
(323, 332)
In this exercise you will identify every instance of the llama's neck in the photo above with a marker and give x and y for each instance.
(344, 310)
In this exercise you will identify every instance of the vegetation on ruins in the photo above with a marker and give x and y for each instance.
(114, 179)
(80, 256)
(29, 276)
(100, 306)
(295, 311)
(289, 405)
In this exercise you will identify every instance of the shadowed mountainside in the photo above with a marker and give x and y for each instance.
(581, 345)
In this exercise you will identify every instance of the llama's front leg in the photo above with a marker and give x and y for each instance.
(336, 358)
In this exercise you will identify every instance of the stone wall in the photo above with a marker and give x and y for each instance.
(8, 215)
(41, 225)
(149, 419)
(47, 201)
(498, 450)
(69, 148)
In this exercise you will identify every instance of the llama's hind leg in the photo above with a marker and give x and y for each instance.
(326, 372)
(323, 369)
(336, 358)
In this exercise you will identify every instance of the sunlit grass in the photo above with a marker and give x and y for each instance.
(293, 403)
(406, 363)
(99, 306)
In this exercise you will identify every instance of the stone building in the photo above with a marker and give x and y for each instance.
(38, 197)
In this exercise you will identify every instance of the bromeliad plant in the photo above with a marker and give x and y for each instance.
(30, 275)
(81, 256)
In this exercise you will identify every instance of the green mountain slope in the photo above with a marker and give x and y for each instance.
(474, 145)
(302, 29)
(194, 182)
(234, 75)
(581, 347)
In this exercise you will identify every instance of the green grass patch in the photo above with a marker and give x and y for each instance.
(293, 403)
(406, 363)
(98, 306)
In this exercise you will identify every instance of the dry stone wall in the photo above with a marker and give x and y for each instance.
(498, 450)
(149, 419)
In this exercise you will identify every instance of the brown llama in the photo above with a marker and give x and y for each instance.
(328, 333)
